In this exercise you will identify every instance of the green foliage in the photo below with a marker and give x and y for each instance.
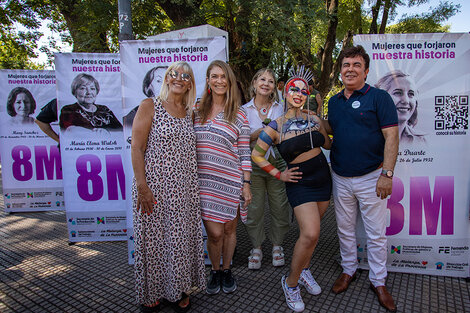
(16, 49)
(262, 33)
(430, 22)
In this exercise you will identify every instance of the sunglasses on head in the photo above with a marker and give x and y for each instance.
(174, 74)
(294, 89)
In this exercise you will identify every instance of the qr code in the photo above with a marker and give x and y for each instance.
(451, 112)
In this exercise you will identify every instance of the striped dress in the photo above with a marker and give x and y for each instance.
(223, 153)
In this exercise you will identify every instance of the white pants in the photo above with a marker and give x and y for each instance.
(351, 194)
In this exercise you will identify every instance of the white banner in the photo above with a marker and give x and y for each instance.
(143, 68)
(91, 142)
(428, 77)
(31, 168)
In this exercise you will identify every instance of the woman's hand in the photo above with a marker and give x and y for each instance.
(145, 199)
(246, 194)
(290, 175)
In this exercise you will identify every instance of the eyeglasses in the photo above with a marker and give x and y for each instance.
(297, 90)
(184, 77)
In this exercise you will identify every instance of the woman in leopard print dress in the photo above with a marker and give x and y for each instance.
(169, 255)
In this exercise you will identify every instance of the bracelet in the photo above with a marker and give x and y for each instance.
(278, 175)
(247, 181)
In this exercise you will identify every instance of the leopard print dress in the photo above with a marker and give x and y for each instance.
(169, 255)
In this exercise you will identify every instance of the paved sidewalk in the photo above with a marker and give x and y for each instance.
(40, 272)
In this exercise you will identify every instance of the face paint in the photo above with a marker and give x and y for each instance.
(291, 83)
(293, 90)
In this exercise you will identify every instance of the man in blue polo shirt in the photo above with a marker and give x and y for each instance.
(363, 121)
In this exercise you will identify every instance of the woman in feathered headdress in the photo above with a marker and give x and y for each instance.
(298, 135)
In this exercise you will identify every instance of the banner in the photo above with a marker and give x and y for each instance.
(144, 64)
(31, 168)
(428, 77)
(91, 141)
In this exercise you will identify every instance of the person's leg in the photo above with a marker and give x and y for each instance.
(229, 242)
(215, 240)
(308, 218)
(373, 213)
(254, 224)
(229, 283)
(279, 210)
(346, 214)
(322, 206)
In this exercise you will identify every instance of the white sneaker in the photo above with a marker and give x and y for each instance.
(306, 279)
(293, 298)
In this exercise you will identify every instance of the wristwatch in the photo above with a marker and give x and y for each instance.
(247, 181)
(387, 173)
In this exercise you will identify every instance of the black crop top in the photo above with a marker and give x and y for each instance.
(293, 147)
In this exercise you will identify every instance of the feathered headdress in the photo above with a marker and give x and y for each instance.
(301, 73)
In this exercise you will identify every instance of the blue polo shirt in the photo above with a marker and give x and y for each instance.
(357, 123)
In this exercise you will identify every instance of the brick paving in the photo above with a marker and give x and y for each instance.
(41, 272)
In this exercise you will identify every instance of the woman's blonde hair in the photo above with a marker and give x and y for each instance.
(232, 96)
(190, 94)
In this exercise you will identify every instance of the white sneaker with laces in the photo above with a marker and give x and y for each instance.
(293, 298)
(306, 279)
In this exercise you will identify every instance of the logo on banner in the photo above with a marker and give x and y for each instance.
(439, 265)
(133, 254)
(359, 249)
(57, 203)
(396, 249)
(7, 195)
(359, 260)
(73, 234)
(8, 205)
(72, 221)
(445, 250)
(424, 262)
(29, 195)
(100, 220)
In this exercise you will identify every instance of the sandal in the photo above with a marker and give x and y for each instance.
(149, 309)
(278, 256)
(178, 308)
(254, 260)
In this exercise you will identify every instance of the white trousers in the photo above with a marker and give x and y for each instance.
(351, 194)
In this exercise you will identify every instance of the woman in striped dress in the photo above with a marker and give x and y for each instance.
(224, 168)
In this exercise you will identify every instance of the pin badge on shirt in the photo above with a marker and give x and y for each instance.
(356, 104)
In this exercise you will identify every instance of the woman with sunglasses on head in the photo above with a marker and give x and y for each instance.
(169, 253)
(224, 168)
(263, 107)
(299, 134)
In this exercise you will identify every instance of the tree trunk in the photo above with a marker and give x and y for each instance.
(358, 13)
(324, 85)
(337, 66)
(90, 41)
(375, 16)
(383, 24)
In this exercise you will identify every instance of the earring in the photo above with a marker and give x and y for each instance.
(209, 90)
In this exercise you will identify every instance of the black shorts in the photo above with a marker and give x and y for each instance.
(315, 184)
